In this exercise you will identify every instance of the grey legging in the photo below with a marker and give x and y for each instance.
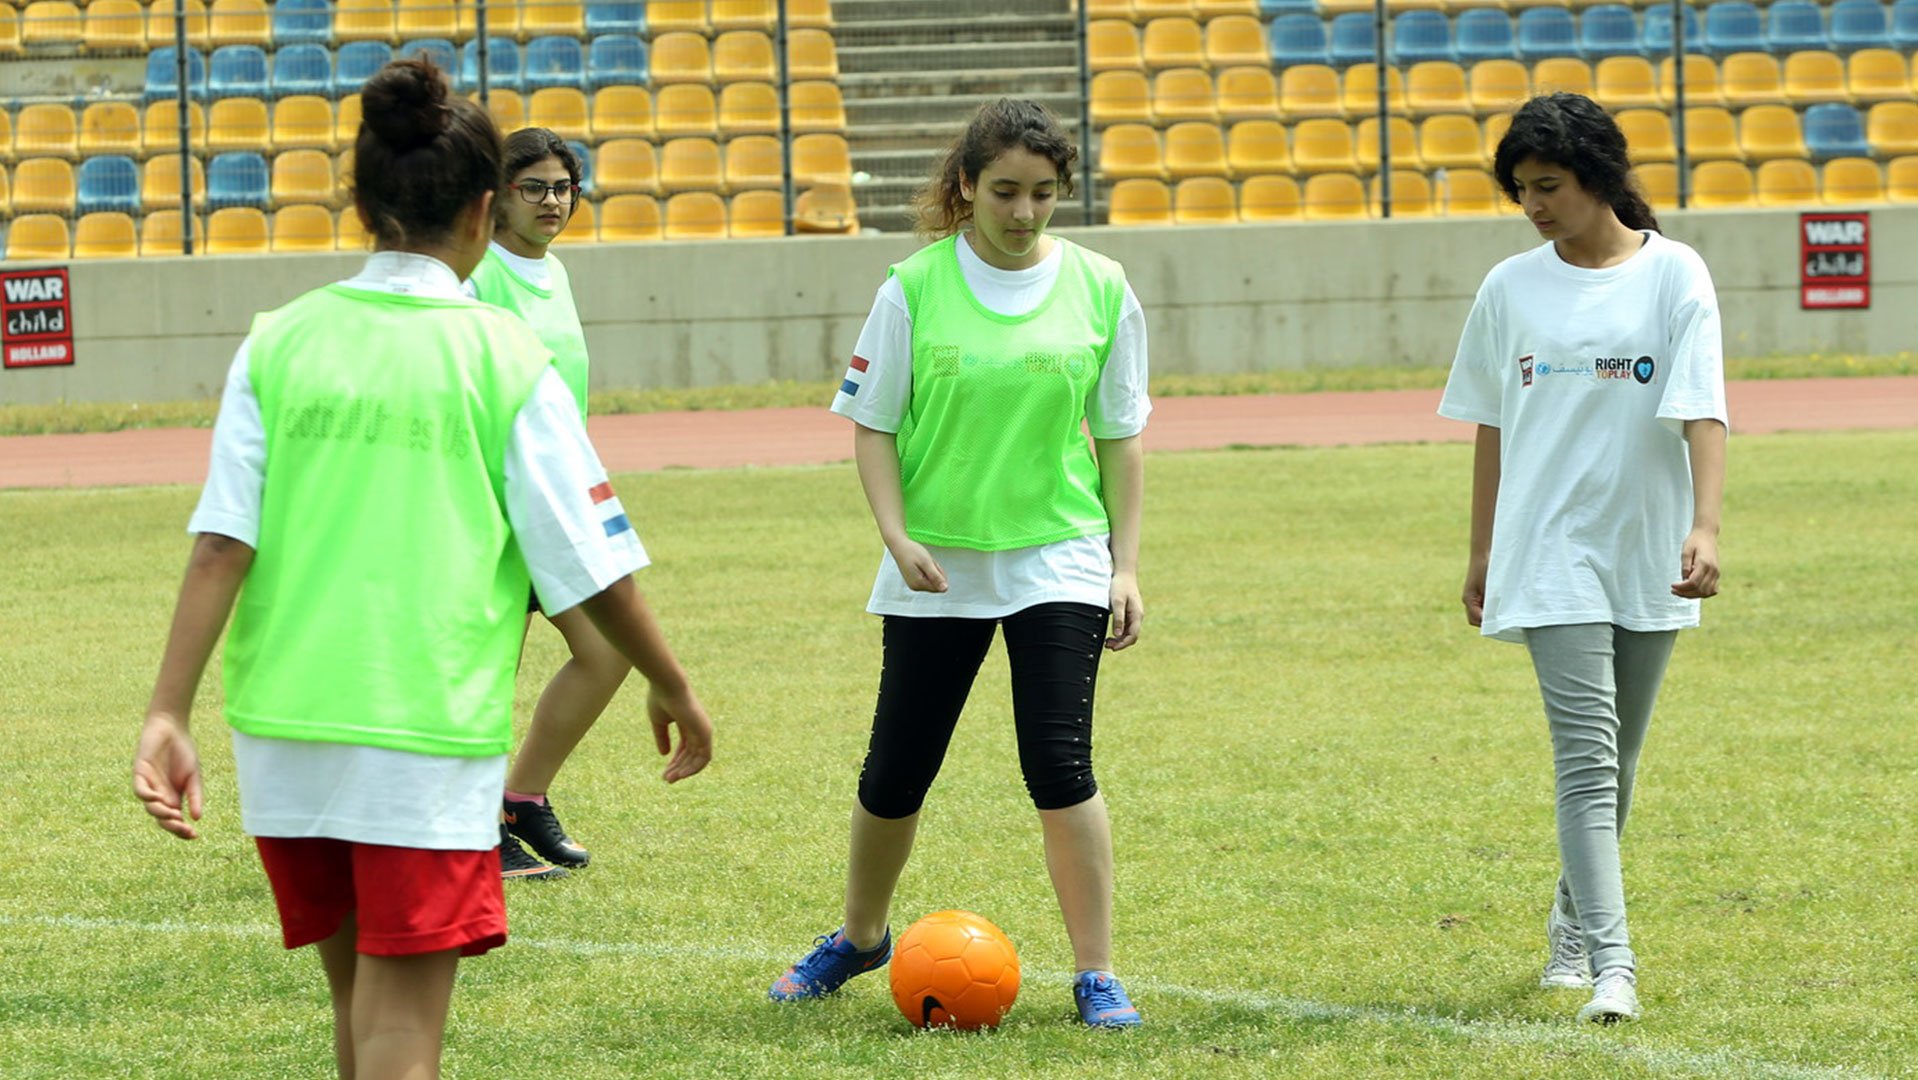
(1599, 683)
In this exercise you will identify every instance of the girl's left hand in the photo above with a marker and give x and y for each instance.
(1128, 611)
(1699, 562)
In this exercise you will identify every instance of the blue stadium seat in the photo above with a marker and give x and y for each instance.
(238, 71)
(1733, 26)
(1655, 35)
(585, 157)
(1485, 34)
(1607, 30)
(296, 21)
(161, 72)
(356, 62)
(502, 65)
(237, 179)
(1418, 36)
(441, 51)
(616, 60)
(614, 17)
(1296, 39)
(1835, 131)
(1272, 9)
(1859, 24)
(1904, 25)
(109, 183)
(1795, 25)
(303, 69)
(555, 61)
(1354, 39)
(1546, 31)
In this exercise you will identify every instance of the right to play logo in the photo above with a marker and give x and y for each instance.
(1525, 369)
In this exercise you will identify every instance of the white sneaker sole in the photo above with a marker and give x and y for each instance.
(1565, 982)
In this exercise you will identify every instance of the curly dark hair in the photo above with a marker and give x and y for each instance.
(1574, 132)
(995, 128)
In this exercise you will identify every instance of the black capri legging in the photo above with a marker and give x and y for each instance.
(929, 666)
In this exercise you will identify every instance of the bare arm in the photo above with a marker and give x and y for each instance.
(877, 455)
(1485, 478)
(620, 613)
(1122, 478)
(1698, 561)
(166, 765)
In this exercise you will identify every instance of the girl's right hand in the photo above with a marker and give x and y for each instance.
(166, 775)
(918, 567)
(1474, 593)
(680, 708)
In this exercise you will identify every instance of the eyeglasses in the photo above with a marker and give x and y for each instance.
(535, 191)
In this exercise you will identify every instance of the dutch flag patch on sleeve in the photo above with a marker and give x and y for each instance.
(612, 516)
(851, 386)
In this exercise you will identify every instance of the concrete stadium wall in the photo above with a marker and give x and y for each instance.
(1218, 300)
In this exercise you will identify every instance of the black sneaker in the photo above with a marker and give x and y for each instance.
(516, 865)
(536, 824)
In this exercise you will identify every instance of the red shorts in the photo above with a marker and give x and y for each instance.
(408, 900)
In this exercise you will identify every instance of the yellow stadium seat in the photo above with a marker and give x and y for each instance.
(1456, 6)
(689, 165)
(160, 132)
(1873, 75)
(502, 20)
(1766, 132)
(628, 166)
(1499, 86)
(1813, 77)
(821, 159)
(1109, 9)
(1329, 8)
(556, 18)
(1131, 151)
(6, 145)
(744, 56)
(680, 57)
(811, 54)
(1113, 45)
(1173, 42)
(1750, 78)
(1405, 144)
(416, 19)
(1139, 201)
(1451, 142)
(1257, 147)
(695, 215)
(109, 127)
(1701, 82)
(160, 234)
(1787, 183)
(346, 129)
(238, 124)
(1435, 87)
(46, 131)
(303, 176)
(1901, 179)
(1248, 93)
(754, 162)
(1648, 135)
(581, 225)
(677, 16)
(10, 32)
(1195, 148)
(623, 112)
(1335, 197)
(815, 105)
(304, 228)
(1852, 181)
(1205, 200)
(1121, 96)
(1891, 127)
(507, 108)
(237, 230)
(826, 208)
(1659, 185)
(240, 22)
(115, 26)
(1323, 146)
(562, 109)
(352, 231)
(1146, 10)
(369, 20)
(1270, 198)
(51, 22)
(1520, 5)
(760, 15)
(626, 218)
(685, 109)
(1472, 193)
(38, 237)
(814, 14)
(6, 194)
(1711, 135)
(105, 235)
(1183, 94)
(1625, 82)
(160, 28)
(1557, 73)
(1360, 90)
(1411, 195)
(749, 108)
(1231, 40)
(43, 185)
(1212, 9)
(304, 122)
(1722, 185)
(1309, 92)
(343, 179)
(1496, 125)
(756, 215)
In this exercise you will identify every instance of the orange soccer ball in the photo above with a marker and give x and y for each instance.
(954, 969)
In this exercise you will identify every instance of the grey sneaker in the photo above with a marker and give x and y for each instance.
(1566, 966)
(1615, 999)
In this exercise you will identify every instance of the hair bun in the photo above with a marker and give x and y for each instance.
(405, 104)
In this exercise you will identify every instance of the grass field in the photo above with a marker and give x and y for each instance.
(1331, 803)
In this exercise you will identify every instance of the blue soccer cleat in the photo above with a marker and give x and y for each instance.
(826, 968)
(1102, 1001)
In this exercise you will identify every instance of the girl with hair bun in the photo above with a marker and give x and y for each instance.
(985, 353)
(394, 466)
(1593, 365)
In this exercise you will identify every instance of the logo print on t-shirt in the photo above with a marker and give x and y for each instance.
(1644, 369)
(1525, 369)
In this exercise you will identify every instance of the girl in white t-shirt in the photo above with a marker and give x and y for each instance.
(1593, 365)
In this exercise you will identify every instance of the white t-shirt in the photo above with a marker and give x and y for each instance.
(533, 272)
(372, 795)
(877, 393)
(1589, 375)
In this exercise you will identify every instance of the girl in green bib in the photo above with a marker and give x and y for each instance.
(522, 276)
(986, 357)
